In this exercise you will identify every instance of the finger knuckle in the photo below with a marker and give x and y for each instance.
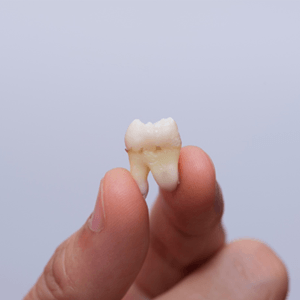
(56, 278)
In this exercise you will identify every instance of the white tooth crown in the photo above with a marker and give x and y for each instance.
(154, 147)
(149, 136)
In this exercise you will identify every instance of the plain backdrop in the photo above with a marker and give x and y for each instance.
(73, 75)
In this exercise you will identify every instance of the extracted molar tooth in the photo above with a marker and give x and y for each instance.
(154, 147)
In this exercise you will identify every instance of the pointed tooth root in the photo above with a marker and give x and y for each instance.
(139, 171)
(164, 168)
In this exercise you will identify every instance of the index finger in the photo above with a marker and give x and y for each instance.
(185, 225)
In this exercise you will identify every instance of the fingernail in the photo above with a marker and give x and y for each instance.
(96, 221)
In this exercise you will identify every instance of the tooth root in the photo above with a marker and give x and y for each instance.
(139, 171)
(165, 168)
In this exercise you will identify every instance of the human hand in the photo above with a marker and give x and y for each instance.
(180, 253)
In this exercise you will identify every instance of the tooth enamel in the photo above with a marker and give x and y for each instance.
(154, 147)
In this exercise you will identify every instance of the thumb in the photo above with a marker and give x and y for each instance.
(102, 259)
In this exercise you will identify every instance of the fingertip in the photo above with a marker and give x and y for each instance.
(124, 199)
(197, 168)
(197, 179)
(119, 249)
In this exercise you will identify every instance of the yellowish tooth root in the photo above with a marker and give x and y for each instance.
(139, 170)
(154, 147)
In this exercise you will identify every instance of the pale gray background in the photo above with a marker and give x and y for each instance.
(74, 75)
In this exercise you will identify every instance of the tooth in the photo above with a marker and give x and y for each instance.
(154, 147)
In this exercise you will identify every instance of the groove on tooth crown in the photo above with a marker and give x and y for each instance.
(154, 147)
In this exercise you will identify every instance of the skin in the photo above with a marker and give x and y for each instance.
(179, 252)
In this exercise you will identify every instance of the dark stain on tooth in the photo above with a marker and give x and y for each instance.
(158, 148)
